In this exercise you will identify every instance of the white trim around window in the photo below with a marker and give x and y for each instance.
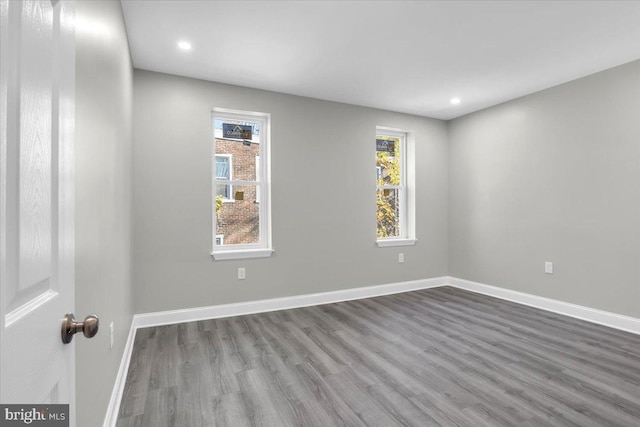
(388, 242)
(242, 254)
(406, 188)
(262, 185)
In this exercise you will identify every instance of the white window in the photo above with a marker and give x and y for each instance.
(224, 172)
(258, 178)
(240, 173)
(394, 192)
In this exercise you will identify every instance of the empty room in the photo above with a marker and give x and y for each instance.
(319, 213)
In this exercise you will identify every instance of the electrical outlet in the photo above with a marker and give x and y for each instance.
(400, 258)
(112, 334)
(548, 267)
(241, 273)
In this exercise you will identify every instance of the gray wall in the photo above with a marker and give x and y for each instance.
(103, 200)
(323, 197)
(554, 176)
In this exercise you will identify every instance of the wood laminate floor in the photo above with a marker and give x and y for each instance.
(437, 357)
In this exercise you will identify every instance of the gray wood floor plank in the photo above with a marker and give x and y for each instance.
(265, 400)
(135, 421)
(359, 400)
(437, 357)
(308, 408)
(442, 410)
(229, 410)
(222, 371)
(160, 408)
(315, 391)
(399, 406)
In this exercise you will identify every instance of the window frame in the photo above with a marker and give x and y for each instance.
(258, 171)
(406, 236)
(262, 184)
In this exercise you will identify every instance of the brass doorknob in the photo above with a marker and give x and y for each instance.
(89, 327)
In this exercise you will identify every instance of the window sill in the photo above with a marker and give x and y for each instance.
(242, 254)
(382, 243)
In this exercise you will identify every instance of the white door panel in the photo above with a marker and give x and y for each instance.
(37, 79)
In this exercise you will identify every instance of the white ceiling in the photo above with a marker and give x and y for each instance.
(405, 56)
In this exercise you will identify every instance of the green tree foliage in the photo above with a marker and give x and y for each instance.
(218, 203)
(387, 213)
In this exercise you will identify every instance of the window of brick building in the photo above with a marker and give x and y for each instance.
(240, 185)
(394, 189)
(224, 168)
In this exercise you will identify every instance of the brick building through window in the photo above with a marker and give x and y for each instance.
(238, 219)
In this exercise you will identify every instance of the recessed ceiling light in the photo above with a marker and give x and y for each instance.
(455, 101)
(184, 45)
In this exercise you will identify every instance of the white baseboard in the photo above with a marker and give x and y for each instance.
(118, 388)
(274, 304)
(612, 320)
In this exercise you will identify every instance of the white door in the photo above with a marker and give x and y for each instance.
(37, 82)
